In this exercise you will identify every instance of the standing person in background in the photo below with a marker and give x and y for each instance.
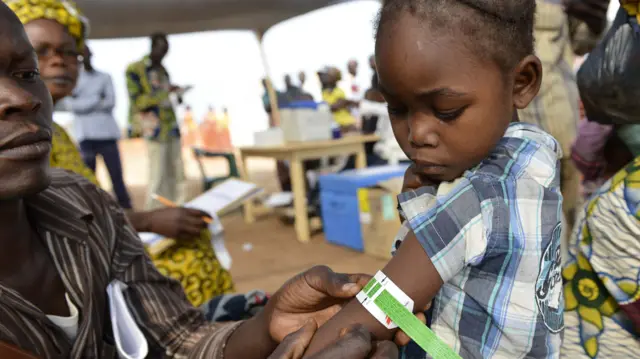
(563, 29)
(293, 92)
(96, 130)
(153, 117)
(356, 90)
(372, 65)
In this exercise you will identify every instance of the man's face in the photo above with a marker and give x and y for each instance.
(352, 66)
(25, 114)
(160, 49)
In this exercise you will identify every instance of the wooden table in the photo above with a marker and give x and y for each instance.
(296, 153)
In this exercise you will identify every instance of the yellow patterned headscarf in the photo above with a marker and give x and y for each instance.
(64, 12)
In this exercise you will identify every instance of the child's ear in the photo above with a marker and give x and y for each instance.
(527, 79)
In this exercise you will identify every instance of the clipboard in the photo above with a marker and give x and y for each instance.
(221, 199)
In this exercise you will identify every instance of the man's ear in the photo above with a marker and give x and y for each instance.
(527, 79)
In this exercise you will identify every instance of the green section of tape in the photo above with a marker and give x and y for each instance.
(414, 328)
(369, 285)
(375, 290)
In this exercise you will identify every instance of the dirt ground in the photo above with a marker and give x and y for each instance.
(274, 254)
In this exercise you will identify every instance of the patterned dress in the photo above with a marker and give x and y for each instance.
(193, 263)
(602, 276)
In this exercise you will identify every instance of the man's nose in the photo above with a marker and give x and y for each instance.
(16, 100)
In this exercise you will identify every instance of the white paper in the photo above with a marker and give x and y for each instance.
(217, 242)
(221, 196)
(130, 342)
(215, 227)
(223, 255)
(149, 239)
(280, 199)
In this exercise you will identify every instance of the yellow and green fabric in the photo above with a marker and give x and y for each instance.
(193, 263)
(602, 274)
(149, 93)
(63, 12)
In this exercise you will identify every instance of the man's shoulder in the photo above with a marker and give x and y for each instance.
(137, 66)
(102, 74)
(70, 181)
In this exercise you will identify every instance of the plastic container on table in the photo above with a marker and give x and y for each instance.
(305, 121)
(339, 202)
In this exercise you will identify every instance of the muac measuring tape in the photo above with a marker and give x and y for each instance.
(393, 308)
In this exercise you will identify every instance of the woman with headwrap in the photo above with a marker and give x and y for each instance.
(59, 48)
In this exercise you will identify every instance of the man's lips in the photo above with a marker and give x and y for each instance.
(26, 145)
(32, 151)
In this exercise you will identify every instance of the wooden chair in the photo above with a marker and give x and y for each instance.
(207, 181)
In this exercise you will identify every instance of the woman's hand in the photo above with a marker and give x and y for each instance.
(177, 222)
(354, 343)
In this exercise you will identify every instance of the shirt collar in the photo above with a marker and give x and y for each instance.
(526, 131)
(56, 211)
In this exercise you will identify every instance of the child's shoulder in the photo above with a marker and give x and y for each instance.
(526, 156)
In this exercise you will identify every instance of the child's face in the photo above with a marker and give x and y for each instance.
(448, 107)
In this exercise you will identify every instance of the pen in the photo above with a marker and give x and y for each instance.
(168, 203)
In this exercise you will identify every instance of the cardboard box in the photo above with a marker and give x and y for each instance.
(379, 218)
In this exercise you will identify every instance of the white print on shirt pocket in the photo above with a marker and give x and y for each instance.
(549, 293)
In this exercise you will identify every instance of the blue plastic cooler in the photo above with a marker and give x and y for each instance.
(339, 202)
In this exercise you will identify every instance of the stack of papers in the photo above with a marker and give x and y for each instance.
(130, 342)
(223, 198)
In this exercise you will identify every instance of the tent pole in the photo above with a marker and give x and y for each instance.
(274, 119)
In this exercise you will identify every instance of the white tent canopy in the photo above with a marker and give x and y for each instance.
(132, 18)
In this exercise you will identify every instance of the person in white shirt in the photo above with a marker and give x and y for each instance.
(375, 115)
(95, 128)
(355, 88)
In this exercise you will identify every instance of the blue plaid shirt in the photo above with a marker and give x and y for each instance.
(494, 237)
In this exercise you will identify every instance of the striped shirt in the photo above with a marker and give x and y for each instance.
(92, 244)
(494, 237)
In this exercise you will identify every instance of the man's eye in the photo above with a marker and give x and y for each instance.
(30, 75)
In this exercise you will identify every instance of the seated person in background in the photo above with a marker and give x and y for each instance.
(482, 235)
(602, 272)
(375, 118)
(336, 98)
(51, 25)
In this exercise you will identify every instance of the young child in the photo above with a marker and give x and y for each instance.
(482, 237)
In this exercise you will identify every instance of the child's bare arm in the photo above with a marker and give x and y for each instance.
(411, 270)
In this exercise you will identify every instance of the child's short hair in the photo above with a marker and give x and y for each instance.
(499, 30)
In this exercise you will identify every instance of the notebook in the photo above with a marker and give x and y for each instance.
(129, 340)
(221, 199)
